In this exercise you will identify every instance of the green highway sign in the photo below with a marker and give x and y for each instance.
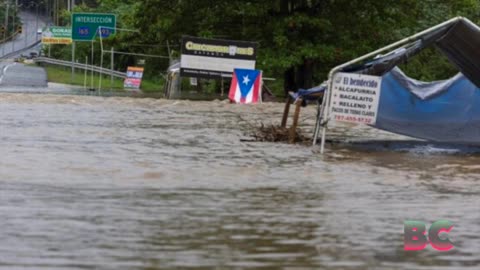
(86, 25)
(57, 35)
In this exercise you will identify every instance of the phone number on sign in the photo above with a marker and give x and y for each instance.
(354, 119)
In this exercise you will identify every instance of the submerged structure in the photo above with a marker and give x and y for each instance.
(443, 111)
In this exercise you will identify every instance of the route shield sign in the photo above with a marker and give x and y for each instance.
(57, 35)
(86, 25)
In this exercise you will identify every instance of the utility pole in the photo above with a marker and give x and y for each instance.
(13, 26)
(6, 28)
(169, 54)
(25, 28)
(26, 37)
(48, 9)
(36, 24)
(55, 12)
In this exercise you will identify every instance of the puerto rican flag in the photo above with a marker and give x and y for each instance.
(246, 86)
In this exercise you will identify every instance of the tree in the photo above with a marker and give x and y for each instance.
(430, 64)
(298, 39)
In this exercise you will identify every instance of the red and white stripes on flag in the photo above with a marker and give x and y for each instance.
(246, 86)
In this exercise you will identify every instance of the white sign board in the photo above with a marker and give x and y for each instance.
(355, 98)
(193, 81)
(215, 58)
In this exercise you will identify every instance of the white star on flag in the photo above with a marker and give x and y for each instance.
(246, 80)
(246, 86)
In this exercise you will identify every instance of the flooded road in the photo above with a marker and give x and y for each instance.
(125, 183)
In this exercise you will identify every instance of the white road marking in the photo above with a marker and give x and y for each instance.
(4, 72)
(6, 68)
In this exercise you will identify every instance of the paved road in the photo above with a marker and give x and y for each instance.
(22, 78)
(17, 77)
(28, 36)
(14, 74)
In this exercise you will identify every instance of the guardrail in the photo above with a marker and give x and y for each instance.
(96, 69)
(14, 53)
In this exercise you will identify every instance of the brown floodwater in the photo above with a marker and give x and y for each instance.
(126, 183)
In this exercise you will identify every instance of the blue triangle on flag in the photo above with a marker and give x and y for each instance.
(246, 78)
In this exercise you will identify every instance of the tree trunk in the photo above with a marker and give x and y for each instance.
(285, 7)
(289, 81)
(304, 75)
(307, 74)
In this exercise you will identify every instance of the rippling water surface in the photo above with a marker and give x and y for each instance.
(124, 183)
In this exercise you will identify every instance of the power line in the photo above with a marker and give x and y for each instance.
(149, 45)
(140, 54)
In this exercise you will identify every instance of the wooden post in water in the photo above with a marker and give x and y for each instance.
(286, 111)
(223, 90)
(293, 128)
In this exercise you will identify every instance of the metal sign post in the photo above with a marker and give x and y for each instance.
(100, 74)
(73, 59)
(85, 77)
(91, 79)
(111, 67)
(85, 27)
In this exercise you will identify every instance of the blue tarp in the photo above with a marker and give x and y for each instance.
(443, 111)
(309, 94)
(446, 111)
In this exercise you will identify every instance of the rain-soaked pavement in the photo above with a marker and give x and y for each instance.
(125, 183)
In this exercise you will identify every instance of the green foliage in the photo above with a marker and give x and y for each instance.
(64, 75)
(299, 40)
(13, 20)
(317, 34)
(430, 64)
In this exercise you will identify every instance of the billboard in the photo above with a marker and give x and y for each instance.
(134, 78)
(215, 58)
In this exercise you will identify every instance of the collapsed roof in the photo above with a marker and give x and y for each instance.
(458, 40)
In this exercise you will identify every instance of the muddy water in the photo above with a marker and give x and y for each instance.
(122, 183)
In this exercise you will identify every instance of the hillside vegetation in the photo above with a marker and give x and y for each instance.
(299, 40)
